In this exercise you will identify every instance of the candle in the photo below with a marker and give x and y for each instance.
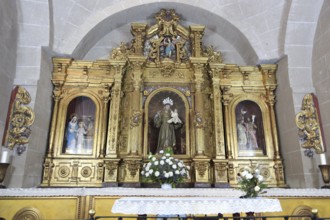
(4, 156)
(323, 159)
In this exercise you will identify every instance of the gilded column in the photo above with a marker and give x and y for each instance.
(226, 98)
(57, 96)
(218, 113)
(220, 162)
(59, 73)
(135, 134)
(269, 78)
(113, 122)
(268, 71)
(201, 161)
(106, 98)
(199, 119)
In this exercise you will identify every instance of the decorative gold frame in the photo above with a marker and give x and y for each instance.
(266, 126)
(60, 132)
(188, 153)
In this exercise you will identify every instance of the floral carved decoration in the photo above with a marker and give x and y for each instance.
(19, 120)
(308, 121)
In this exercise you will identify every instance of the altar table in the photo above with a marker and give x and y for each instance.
(193, 205)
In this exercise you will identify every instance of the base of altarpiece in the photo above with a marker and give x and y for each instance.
(202, 185)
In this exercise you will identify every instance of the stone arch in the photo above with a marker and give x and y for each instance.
(79, 43)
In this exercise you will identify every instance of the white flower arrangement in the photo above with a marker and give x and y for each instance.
(164, 168)
(251, 183)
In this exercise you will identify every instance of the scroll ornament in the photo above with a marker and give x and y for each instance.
(19, 120)
(308, 122)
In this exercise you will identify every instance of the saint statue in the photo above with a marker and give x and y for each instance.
(167, 121)
(241, 135)
(71, 133)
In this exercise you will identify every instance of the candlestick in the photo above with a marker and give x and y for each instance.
(4, 156)
(323, 159)
(3, 170)
(325, 171)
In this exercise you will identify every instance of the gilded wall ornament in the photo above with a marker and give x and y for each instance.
(167, 69)
(202, 168)
(120, 53)
(308, 121)
(199, 120)
(133, 167)
(111, 167)
(214, 56)
(136, 118)
(28, 213)
(19, 120)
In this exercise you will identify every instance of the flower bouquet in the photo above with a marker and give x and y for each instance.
(251, 183)
(163, 168)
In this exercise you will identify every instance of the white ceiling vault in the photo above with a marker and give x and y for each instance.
(251, 30)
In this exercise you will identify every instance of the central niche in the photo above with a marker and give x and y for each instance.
(167, 123)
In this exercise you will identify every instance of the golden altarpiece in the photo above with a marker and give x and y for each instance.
(103, 124)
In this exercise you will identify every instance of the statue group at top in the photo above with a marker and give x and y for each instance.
(166, 40)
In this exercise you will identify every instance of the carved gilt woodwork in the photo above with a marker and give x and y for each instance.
(19, 120)
(309, 124)
(165, 62)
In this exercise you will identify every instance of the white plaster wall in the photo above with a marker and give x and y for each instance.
(34, 31)
(321, 69)
(299, 36)
(259, 22)
(8, 45)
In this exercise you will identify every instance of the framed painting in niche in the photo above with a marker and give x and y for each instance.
(250, 129)
(166, 123)
(80, 128)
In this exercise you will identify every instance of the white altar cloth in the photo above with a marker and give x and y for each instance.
(157, 192)
(193, 205)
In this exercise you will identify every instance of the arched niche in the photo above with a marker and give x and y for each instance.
(155, 104)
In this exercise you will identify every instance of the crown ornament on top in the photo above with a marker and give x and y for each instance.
(168, 101)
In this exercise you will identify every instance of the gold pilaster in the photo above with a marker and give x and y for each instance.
(199, 118)
(113, 124)
(56, 95)
(268, 71)
(106, 98)
(218, 112)
(226, 98)
(135, 115)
